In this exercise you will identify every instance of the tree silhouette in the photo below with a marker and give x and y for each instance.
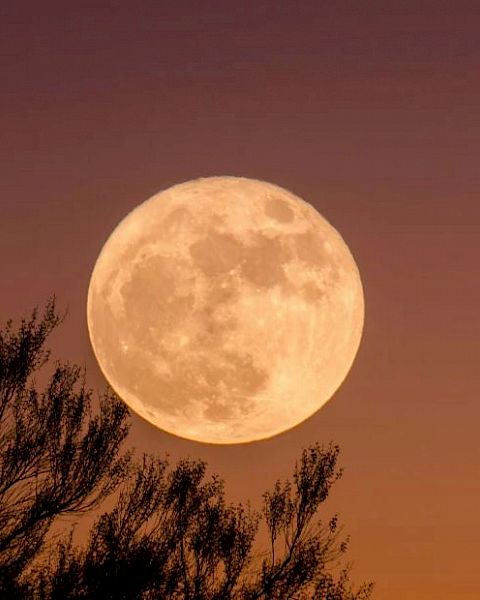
(170, 533)
(56, 459)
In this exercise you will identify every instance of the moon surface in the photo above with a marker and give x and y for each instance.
(225, 310)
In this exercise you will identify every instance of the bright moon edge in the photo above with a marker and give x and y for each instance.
(170, 315)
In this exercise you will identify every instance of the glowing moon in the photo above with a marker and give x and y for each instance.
(225, 310)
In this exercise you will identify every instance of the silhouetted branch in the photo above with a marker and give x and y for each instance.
(171, 535)
(55, 457)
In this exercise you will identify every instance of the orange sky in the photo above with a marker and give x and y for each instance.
(367, 110)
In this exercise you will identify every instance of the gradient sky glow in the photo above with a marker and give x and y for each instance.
(369, 111)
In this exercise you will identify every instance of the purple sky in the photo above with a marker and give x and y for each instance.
(367, 110)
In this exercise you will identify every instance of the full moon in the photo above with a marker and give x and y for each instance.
(225, 310)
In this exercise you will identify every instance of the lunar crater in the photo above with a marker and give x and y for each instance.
(278, 209)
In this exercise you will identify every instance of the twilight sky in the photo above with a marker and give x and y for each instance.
(369, 111)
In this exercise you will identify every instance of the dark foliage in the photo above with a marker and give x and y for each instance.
(170, 534)
(56, 459)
